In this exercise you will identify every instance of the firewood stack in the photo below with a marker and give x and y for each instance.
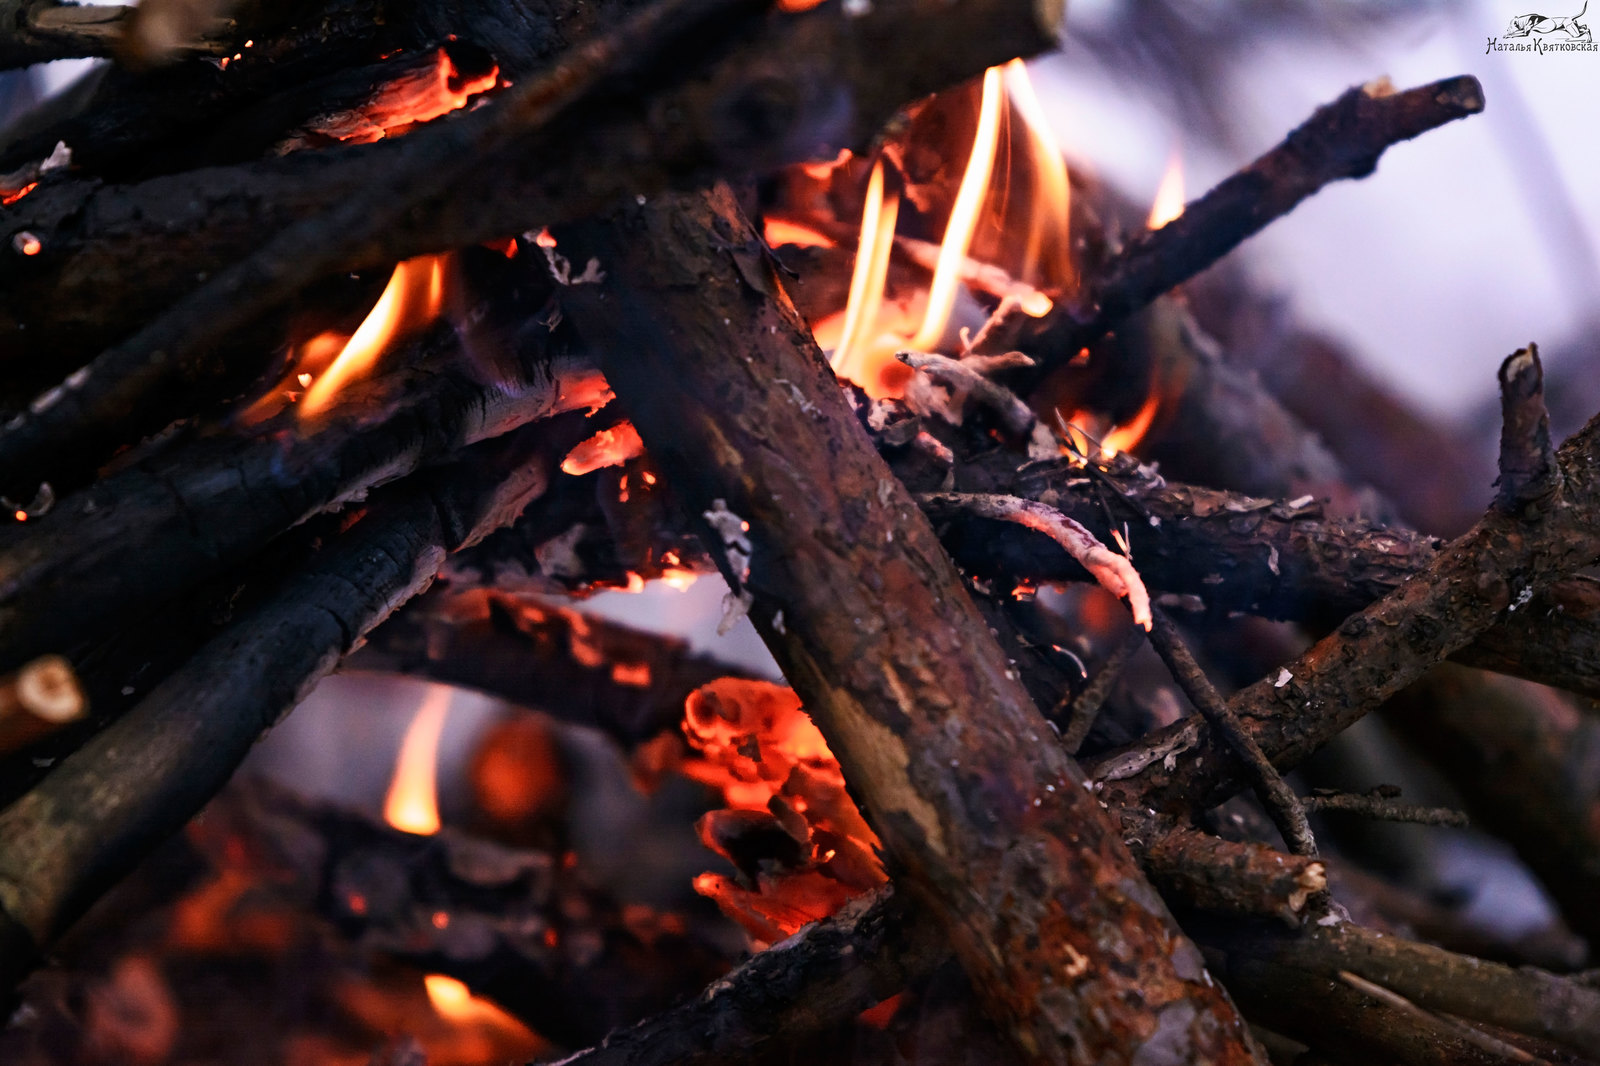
(594, 363)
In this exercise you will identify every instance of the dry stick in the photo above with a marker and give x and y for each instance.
(1470, 1033)
(1085, 708)
(1496, 567)
(139, 780)
(1196, 869)
(95, 402)
(1521, 999)
(982, 815)
(1386, 809)
(788, 87)
(1276, 796)
(1343, 139)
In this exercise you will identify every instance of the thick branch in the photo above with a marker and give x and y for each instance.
(987, 821)
(141, 778)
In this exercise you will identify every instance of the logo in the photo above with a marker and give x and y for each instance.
(1545, 33)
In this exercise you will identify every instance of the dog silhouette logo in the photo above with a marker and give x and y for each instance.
(1543, 25)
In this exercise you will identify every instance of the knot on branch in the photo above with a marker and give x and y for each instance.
(1528, 470)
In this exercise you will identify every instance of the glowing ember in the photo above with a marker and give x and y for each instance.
(26, 243)
(963, 217)
(779, 780)
(609, 447)
(1169, 200)
(1047, 257)
(428, 92)
(412, 805)
(678, 579)
(8, 198)
(411, 300)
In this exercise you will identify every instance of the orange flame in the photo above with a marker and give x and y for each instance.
(411, 300)
(963, 217)
(1047, 257)
(856, 357)
(609, 447)
(781, 231)
(455, 1003)
(1127, 436)
(1169, 199)
(412, 805)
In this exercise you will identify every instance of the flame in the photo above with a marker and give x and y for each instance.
(412, 805)
(856, 358)
(411, 300)
(781, 231)
(1169, 199)
(1047, 257)
(454, 1002)
(680, 580)
(963, 217)
(1128, 435)
(609, 447)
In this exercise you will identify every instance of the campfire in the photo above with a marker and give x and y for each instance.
(401, 342)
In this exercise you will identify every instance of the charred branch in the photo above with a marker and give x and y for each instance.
(789, 86)
(824, 975)
(1084, 708)
(1522, 1000)
(1496, 567)
(627, 683)
(519, 928)
(849, 588)
(1279, 799)
(133, 784)
(1204, 872)
(1528, 471)
(140, 537)
(1343, 139)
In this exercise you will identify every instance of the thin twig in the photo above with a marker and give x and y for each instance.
(1340, 140)
(1528, 470)
(1082, 711)
(1287, 812)
(1113, 571)
(1384, 808)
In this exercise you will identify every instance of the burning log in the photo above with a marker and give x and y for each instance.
(142, 777)
(41, 30)
(772, 100)
(814, 533)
